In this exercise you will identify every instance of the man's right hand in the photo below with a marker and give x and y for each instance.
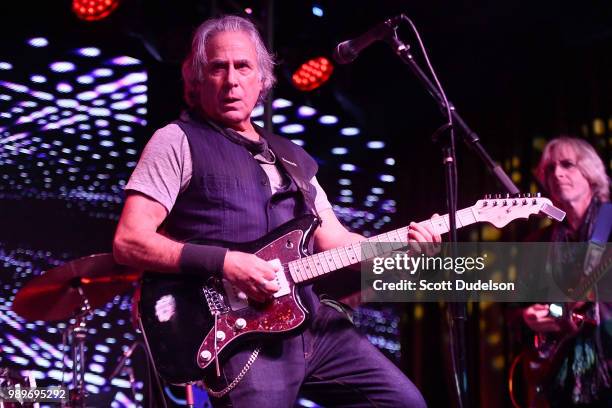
(538, 319)
(251, 274)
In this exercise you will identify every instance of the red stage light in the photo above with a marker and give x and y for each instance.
(312, 74)
(91, 10)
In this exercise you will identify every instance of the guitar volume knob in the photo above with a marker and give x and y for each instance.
(220, 335)
(240, 323)
(206, 355)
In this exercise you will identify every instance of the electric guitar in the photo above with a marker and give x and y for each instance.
(190, 322)
(540, 363)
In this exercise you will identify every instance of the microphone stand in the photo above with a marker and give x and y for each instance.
(457, 310)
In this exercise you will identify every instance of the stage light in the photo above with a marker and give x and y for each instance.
(92, 10)
(39, 79)
(85, 79)
(376, 144)
(102, 72)
(125, 60)
(317, 11)
(62, 66)
(349, 131)
(306, 111)
(280, 103)
(328, 120)
(312, 74)
(89, 52)
(258, 111)
(292, 129)
(38, 42)
(279, 119)
(63, 87)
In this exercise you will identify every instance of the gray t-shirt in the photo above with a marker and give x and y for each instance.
(165, 168)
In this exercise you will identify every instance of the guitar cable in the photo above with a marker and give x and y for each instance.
(152, 362)
(216, 314)
(511, 384)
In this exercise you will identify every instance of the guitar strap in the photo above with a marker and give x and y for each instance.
(603, 224)
(595, 251)
(290, 163)
(599, 238)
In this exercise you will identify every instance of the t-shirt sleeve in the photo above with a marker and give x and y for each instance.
(164, 168)
(321, 201)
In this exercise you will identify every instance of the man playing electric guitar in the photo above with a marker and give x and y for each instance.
(212, 178)
(575, 177)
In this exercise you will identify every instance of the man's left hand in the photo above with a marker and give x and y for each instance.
(423, 239)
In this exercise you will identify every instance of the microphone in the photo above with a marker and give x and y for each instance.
(123, 359)
(347, 51)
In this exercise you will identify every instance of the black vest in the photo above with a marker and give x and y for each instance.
(229, 199)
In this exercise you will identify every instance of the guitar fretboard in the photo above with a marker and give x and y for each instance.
(314, 266)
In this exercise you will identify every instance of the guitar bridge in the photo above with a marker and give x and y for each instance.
(214, 300)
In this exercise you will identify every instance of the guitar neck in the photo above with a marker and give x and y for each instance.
(311, 267)
(588, 283)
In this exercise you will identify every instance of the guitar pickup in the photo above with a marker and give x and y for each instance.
(281, 279)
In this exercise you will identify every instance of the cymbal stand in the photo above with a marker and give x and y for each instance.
(78, 334)
(132, 379)
(123, 368)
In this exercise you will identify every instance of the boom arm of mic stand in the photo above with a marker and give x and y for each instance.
(468, 135)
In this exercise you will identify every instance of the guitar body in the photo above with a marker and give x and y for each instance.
(541, 363)
(538, 370)
(177, 311)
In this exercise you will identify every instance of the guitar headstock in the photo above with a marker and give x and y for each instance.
(500, 210)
